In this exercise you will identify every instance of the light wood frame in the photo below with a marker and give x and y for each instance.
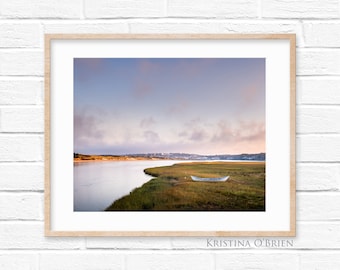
(50, 37)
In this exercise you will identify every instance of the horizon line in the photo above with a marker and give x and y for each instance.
(167, 153)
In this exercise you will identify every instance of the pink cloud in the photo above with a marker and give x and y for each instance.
(142, 89)
(250, 94)
(86, 130)
(179, 107)
(147, 66)
(187, 68)
(243, 132)
(198, 135)
(151, 136)
(147, 122)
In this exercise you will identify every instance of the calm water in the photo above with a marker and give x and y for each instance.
(98, 184)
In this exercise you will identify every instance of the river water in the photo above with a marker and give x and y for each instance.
(98, 184)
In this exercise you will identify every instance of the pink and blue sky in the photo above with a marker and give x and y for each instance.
(153, 105)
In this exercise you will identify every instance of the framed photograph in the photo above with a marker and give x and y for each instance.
(170, 135)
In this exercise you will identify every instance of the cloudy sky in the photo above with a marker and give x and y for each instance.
(188, 105)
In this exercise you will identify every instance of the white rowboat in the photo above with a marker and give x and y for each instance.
(220, 179)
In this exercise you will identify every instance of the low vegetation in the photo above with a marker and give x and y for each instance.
(80, 157)
(173, 190)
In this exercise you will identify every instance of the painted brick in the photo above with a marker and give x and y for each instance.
(170, 261)
(41, 9)
(16, 35)
(300, 9)
(321, 34)
(174, 26)
(86, 27)
(265, 27)
(320, 261)
(21, 92)
(220, 26)
(21, 148)
(315, 177)
(83, 260)
(21, 206)
(22, 119)
(318, 62)
(15, 261)
(257, 261)
(318, 90)
(214, 8)
(30, 235)
(319, 148)
(21, 62)
(124, 9)
(318, 119)
(22, 176)
(318, 206)
(128, 242)
(318, 235)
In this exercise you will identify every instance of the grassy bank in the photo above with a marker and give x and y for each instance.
(173, 189)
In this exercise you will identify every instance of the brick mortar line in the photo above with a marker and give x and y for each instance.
(171, 20)
(323, 135)
(318, 162)
(21, 133)
(20, 161)
(313, 76)
(32, 222)
(25, 49)
(22, 76)
(19, 78)
(179, 251)
(318, 192)
(318, 104)
(159, 251)
(21, 219)
(221, 249)
(156, 18)
(22, 106)
(32, 163)
(299, 133)
(316, 49)
(335, 105)
(21, 191)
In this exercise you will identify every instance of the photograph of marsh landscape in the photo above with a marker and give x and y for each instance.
(169, 134)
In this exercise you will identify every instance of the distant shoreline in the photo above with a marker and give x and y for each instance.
(179, 160)
(105, 159)
(168, 156)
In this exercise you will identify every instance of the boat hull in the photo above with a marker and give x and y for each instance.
(219, 179)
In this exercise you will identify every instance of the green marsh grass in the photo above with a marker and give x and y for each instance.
(173, 190)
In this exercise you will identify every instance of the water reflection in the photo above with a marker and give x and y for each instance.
(98, 184)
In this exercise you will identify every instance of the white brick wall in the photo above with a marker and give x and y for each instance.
(124, 8)
(22, 26)
(212, 9)
(31, 9)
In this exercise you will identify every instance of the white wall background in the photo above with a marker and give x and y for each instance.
(23, 24)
